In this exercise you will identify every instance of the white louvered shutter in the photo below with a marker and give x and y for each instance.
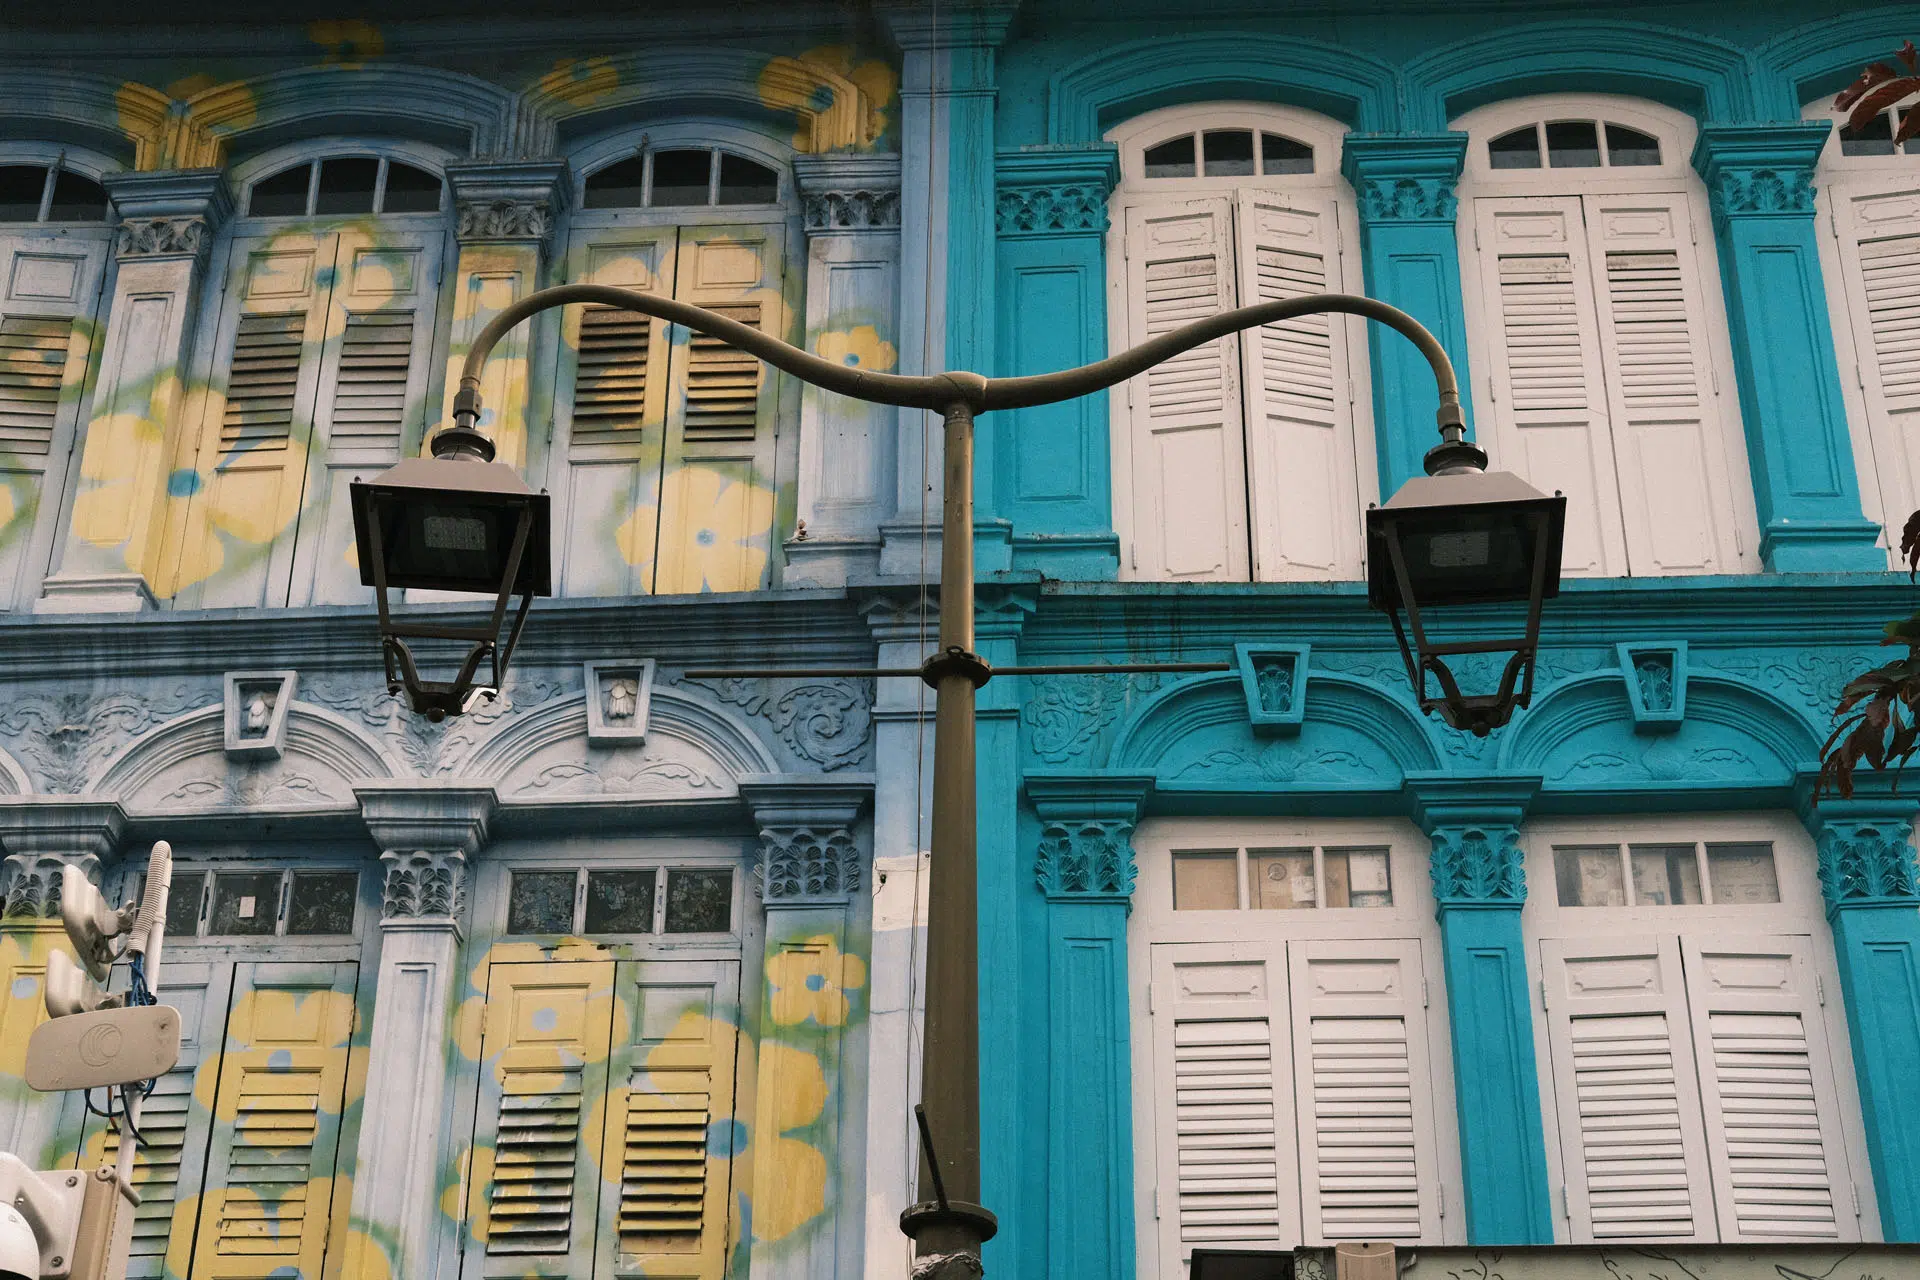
(1766, 1083)
(1549, 393)
(543, 1073)
(1225, 1165)
(1187, 447)
(1303, 495)
(236, 544)
(170, 1165)
(49, 292)
(371, 404)
(1634, 1161)
(270, 1204)
(1879, 234)
(665, 1193)
(1363, 1088)
(612, 419)
(1669, 433)
(717, 481)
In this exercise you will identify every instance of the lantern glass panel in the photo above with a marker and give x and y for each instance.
(1468, 555)
(446, 542)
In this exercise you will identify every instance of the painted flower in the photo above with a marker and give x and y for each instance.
(783, 87)
(860, 347)
(579, 82)
(810, 980)
(717, 533)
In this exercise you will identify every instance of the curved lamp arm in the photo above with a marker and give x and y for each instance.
(943, 390)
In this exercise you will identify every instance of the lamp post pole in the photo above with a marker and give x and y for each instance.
(948, 1225)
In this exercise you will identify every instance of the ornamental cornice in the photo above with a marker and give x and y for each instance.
(508, 201)
(404, 815)
(1404, 177)
(1762, 169)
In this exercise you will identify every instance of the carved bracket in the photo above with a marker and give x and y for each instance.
(1763, 170)
(163, 238)
(1867, 861)
(1406, 199)
(807, 866)
(1477, 864)
(1656, 676)
(1069, 208)
(423, 885)
(1274, 678)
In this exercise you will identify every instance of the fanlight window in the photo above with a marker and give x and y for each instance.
(49, 193)
(345, 185)
(1573, 144)
(1227, 153)
(681, 178)
(1876, 138)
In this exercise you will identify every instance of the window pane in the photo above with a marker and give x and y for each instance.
(618, 186)
(1171, 159)
(1627, 147)
(245, 902)
(1742, 873)
(1284, 155)
(1229, 152)
(1517, 150)
(540, 902)
(1357, 878)
(346, 186)
(284, 195)
(699, 901)
(322, 902)
(183, 903)
(1280, 879)
(744, 182)
(410, 190)
(1912, 145)
(1573, 144)
(680, 177)
(1589, 876)
(21, 186)
(1206, 881)
(1876, 139)
(1665, 875)
(77, 199)
(620, 901)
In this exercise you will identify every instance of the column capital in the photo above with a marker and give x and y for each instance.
(1864, 844)
(403, 814)
(918, 28)
(172, 214)
(1763, 170)
(808, 855)
(1054, 190)
(848, 192)
(1474, 824)
(1404, 177)
(1085, 853)
(42, 834)
(508, 202)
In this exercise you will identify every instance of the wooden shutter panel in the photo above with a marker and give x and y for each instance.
(544, 1069)
(372, 395)
(1188, 454)
(664, 1204)
(1225, 1165)
(717, 481)
(1766, 1083)
(1669, 436)
(267, 1208)
(1369, 1161)
(49, 286)
(1549, 395)
(612, 419)
(1633, 1154)
(1303, 487)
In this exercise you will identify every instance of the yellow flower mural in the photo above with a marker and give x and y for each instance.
(811, 981)
(860, 347)
(347, 41)
(717, 529)
(812, 83)
(579, 82)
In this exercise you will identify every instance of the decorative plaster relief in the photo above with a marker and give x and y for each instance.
(30, 883)
(829, 722)
(183, 765)
(1288, 764)
(496, 220)
(1477, 864)
(1864, 860)
(807, 865)
(423, 885)
(621, 773)
(1063, 208)
(618, 697)
(1085, 858)
(63, 739)
(1274, 679)
(256, 712)
(1064, 714)
(1656, 680)
(1764, 190)
(163, 238)
(433, 749)
(1407, 199)
(860, 210)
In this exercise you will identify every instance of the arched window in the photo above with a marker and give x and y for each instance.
(663, 452)
(316, 367)
(1604, 369)
(1869, 193)
(1240, 460)
(54, 240)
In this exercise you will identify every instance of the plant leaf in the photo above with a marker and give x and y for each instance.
(1875, 73)
(1880, 98)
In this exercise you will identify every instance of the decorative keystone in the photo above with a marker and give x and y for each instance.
(1274, 678)
(1656, 678)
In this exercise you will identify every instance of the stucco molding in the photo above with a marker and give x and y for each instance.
(41, 836)
(1761, 169)
(119, 118)
(507, 202)
(424, 885)
(848, 192)
(1824, 56)
(809, 855)
(1404, 177)
(1864, 842)
(1085, 849)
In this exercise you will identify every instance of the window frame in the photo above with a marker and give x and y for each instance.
(662, 867)
(591, 157)
(493, 885)
(64, 160)
(244, 175)
(1674, 130)
(213, 868)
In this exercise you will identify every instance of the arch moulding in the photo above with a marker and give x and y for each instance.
(1824, 57)
(122, 119)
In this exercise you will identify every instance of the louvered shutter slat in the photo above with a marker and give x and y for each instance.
(33, 359)
(1224, 1122)
(723, 383)
(1890, 273)
(531, 1201)
(163, 1132)
(663, 1175)
(610, 381)
(370, 386)
(262, 382)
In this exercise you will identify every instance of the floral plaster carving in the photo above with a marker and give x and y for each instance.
(430, 749)
(620, 778)
(1866, 860)
(828, 722)
(247, 788)
(1654, 673)
(30, 883)
(422, 885)
(851, 210)
(504, 220)
(163, 238)
(1477, 864)
(63, 739)
(807, 865)
(1066, 713)
(1065, 208)
(1090, 858)
(1779, 190)
(1282, 764)
(1663, 761)
(1407, 200)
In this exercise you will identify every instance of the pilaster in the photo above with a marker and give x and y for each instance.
(1404, 186)
(427, 836)
(1760, 180)
(1046, 469)
(849, 449)
(1479, 886)
(109, 550)
(1083, 864)
(1871, 883)
(504, 218)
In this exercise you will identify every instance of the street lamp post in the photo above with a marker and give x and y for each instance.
(948, 1225)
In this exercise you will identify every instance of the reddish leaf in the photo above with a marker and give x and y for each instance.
(1910, 535)
(1880, 98)
(1909, 125)
(1875, 73)
(1909, 55)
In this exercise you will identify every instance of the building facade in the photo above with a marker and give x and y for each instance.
(619, 975)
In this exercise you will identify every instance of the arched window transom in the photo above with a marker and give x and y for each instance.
(1573, 144)
(681, 177)
(340, 186)
(49, 193)
(1227, 153)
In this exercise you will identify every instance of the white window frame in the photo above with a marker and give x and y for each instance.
(1799, 913)
(1155, 922)
(1673, 176)
(1324, 185)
